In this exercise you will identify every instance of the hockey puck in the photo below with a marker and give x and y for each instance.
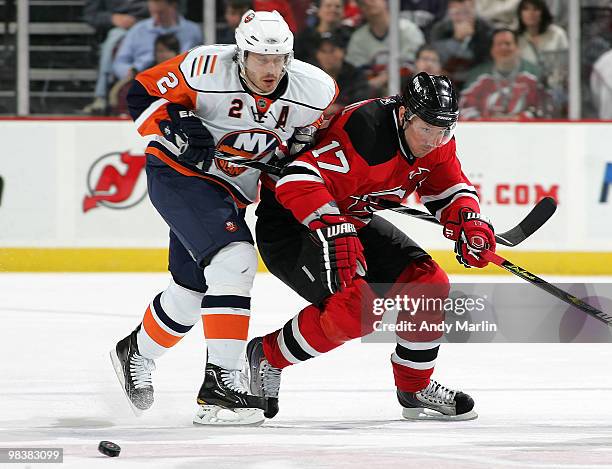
(109, 448)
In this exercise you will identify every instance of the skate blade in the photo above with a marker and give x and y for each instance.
(215, 415)
(119, 372)
(420, 413)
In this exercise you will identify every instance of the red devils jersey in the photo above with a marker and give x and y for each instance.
(360, 159)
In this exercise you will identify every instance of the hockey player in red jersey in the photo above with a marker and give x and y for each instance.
(242, 99)
(317, 232)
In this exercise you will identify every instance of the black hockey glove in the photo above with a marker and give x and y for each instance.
(303, 138)
(341, 251)
(186, 130)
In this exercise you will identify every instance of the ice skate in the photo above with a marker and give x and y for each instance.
(224, 399)
(264, 379)
(134, 372)
(436, 402)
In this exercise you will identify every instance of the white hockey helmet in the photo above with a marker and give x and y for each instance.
(263, 32)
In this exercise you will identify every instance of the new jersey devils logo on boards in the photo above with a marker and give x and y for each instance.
(114, 181)
(247, 143)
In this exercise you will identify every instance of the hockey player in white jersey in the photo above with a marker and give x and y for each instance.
(246, 99)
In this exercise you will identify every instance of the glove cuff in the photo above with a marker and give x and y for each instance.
(178, 111)
(452, 229)
(333, 226)
(470, 215)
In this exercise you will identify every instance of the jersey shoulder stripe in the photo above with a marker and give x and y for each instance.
(211, 69)
(203, 64)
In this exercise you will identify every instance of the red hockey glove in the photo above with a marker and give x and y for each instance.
(341, 251)
(471, 234)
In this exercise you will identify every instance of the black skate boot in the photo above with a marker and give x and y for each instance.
(224, 399)
(436, 402)
(264, 378)
(134, 372)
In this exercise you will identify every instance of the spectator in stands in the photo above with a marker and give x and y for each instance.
(498, 13)
(352, 83)
(104, 15)
(329, 19)
(352, 14)
(506, 88)
(166, 47)
(428, 60)
(234, 9)
(282, 6)
(301, 9)
(137, 49)
(369, 44)
(424, 13)
(545, 44)
(111, 19)
(601, 85)
(596, 38)
(537, 33)
(560, 11)
(462, 40)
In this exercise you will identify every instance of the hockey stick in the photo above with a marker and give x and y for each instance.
(547, 287)
(534, 220)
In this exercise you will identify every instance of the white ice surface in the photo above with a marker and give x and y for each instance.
(540, 405)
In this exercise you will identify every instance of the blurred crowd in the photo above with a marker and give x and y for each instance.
(508, 58)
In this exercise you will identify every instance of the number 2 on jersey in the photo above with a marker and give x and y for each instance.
(236, 108)
(171, 81)
(343, 167)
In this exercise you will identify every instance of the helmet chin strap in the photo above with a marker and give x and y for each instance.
(402, 124)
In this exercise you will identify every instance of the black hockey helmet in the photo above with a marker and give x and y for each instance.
(433, 99)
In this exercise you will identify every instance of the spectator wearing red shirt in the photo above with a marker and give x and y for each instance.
(282, 6)
(506, 88)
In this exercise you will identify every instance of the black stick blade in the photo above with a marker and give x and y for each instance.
(534, 220)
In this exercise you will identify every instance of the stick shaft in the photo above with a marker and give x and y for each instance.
(533, 221)
(547, 287)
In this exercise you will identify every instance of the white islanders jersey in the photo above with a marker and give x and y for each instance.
(206, 80)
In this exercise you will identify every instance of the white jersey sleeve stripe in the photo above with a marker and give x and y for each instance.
(148, 112)
(457, 187)
(298, 178)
